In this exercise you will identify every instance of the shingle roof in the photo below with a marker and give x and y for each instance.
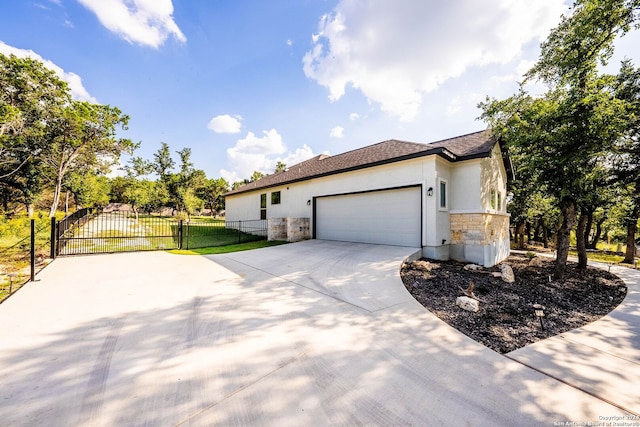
(465, 147)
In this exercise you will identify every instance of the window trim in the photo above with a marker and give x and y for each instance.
(276, 197)
(263, 206)
(441, 182)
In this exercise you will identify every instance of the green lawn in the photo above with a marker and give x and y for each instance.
(600, 256)
(227, 249)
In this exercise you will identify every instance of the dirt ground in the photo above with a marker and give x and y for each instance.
(505, 320)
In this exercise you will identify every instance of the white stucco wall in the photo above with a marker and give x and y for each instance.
(465, 183)
(493, 176)
(294, 196)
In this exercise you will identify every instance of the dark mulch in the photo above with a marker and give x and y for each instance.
(505, 320)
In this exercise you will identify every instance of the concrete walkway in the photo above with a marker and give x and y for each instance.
(602, 358)
(312, 333)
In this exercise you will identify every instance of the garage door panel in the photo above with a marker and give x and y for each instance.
(390, 217)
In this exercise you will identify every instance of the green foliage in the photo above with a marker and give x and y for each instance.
(45, 136)
(562, 142)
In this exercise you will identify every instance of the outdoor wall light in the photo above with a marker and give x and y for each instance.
(539, 312)
(430, 191)
(308, 202)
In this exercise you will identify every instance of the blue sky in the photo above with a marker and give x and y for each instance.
(248, 83)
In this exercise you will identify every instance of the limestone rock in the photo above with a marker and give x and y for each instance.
(473, 267)
(422, 265)
(535, 262)
(507, 273)
(497, 274)
(468, 304)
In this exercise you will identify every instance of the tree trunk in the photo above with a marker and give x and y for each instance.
(545, 233)
(581, 239)
(520, 235)
(56, 196)
(568, 210)
(587, 228)
(632, 228)
(537, 230)
(30, 209)
(597, 234)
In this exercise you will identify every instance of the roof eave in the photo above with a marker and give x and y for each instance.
(435, 151)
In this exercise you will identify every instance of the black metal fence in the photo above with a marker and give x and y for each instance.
(124, 231)
(205, 233)
(22, 260)
(118, 231)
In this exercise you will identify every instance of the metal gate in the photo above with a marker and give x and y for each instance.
(93, 231)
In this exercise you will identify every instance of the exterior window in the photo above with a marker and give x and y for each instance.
(443, 194)
(499, 201)
(263, 206)
(493, 199)
(275, 198)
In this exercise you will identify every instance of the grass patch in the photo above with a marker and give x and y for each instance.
(599, 256)
(227, 249)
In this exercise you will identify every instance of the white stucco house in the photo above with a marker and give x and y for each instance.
(446, 197)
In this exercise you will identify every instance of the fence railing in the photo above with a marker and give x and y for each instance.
(125, 231)
(67, 227)
(207, 233)
(119, 231)
(21, 261)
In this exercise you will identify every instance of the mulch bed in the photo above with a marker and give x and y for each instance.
(505, 320)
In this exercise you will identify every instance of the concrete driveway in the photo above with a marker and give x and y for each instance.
(312, 333)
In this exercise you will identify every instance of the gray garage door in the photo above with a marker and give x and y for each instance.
(389, 217)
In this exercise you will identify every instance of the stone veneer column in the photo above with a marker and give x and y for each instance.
(298, 229)
(277, 229)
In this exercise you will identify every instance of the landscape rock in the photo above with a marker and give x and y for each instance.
(473, 267)
(535, 262)
(507, 273)
(468, 304)
(497, 274)
(422, 265)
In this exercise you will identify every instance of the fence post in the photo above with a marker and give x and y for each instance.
(33, 249)
(186, 246)
(239, 231)
(180, 234)
(52, 253)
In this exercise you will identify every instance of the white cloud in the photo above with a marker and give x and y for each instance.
(146, 22)
(354, 116)
(78, 91)
(337, 132)
(299, 155)
(225, 124)
(395, 52)
(254, 153)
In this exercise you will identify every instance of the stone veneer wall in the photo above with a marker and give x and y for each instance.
(277, 229)
(298, 229)
(479, 237)
(478, 228)
(289, 229)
